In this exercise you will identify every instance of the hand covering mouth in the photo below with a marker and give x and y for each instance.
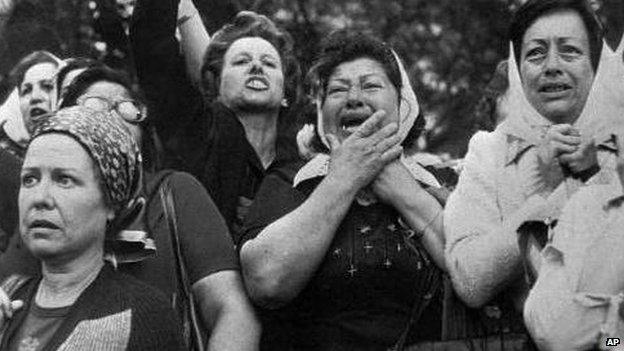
(42, 223)
(554, 87)
(257, 83)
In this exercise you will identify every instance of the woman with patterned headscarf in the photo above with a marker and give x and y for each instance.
(79, 184)
(344, 252)
(203, 238)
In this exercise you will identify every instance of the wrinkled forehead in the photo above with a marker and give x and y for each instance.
(57, 150)
(559, 24)
(357, 69)
(254, 46)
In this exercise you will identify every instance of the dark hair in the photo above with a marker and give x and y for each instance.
(485, 110)
(346, 45)
(30, 60)
(250, 24)
(531, 10)
(150, 145)
(73, 64)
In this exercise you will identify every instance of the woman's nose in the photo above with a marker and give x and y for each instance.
(256, 67)
(38, 95)
(552, 64)
(41, 196)
(354, 98)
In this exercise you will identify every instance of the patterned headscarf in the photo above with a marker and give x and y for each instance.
(108, 143)
(117, 156)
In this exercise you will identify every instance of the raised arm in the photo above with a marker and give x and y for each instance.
(160, 66)
(194, 39)
(280, 261)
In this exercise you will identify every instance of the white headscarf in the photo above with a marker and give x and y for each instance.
(603, 106)
(11, 113)
(408, 112)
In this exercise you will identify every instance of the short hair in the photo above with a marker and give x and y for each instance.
(346, 45)
(30, 60)
(92, 75)
(531, 10)
(150, 145)
(71, 65)
(250, 24)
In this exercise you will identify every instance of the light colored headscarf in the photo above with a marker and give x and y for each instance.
(408, 112)
(11, 113)
(116, 154)
(601, 108)
(562, 310)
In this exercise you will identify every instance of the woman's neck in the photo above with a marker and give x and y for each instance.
(62, 284)
(261, 132)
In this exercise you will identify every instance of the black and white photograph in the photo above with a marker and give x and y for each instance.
(312, 175)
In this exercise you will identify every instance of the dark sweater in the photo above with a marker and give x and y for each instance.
(9, 186)
(116, 312)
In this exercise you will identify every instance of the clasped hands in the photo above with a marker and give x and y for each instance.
(565, 144)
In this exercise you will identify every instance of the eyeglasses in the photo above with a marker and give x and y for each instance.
(130, 110)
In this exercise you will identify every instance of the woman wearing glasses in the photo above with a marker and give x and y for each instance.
(205, 243)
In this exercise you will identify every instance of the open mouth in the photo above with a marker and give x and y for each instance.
(42, 224)
(349, 122)
(257, 83)
(36, 111)
(554, 88)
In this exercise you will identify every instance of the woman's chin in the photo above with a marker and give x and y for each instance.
(559, 112)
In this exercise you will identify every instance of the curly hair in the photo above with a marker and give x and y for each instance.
(250, 24)
(347, 45)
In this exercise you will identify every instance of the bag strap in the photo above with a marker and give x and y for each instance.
(425, 293)
(166, 198)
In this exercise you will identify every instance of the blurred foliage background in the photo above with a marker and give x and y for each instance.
(450, 47)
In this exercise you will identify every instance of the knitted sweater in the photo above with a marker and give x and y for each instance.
(499, 188)
(116, 312)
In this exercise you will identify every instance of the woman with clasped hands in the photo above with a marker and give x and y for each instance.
(551, 144)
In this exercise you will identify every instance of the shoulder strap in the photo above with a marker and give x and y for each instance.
(424, 294)
(166, 198)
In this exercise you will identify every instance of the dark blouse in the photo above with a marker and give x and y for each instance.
(9, 187)
(362, 295)
(202, 137)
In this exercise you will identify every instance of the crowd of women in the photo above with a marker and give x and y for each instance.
(188, 212)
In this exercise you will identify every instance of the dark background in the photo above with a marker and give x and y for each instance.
(450, 47)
